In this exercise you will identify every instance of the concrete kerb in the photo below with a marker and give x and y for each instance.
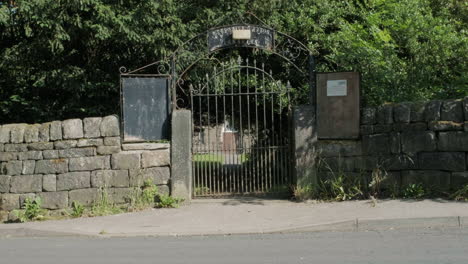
(381, 224)
(355, 225)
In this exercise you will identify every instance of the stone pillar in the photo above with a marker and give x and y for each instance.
(181, 154)
(305, 138)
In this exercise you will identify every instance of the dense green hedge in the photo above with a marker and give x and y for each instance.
(60, 58)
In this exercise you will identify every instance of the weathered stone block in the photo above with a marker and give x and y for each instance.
(2, 147)
(395, 143)
(89, 163)
(76, 152)
(73, 180)
(402, 127)
(155, 158)
(51, 166)
(432, 110)
(56, 130)
(13, 167)
(110, 126)
(54, 200)
(92, 127)
(9, 201)
(44, 132)
(417, 111)
(17, 133)
(368, 116)
(41, 146)
(379, 129)
(337, 164)
(402, 113)
(26, 184)
(445, 126)
(367, 130)
(4, 183)
(120, 195)
(50, 154)
(65, 144)
(343, 148)
(459, 179)
(366, 162)
(453, 141)
(107, 150)
(452, 110)
(385, 114)
(110, 178)
(6, 156)
(28, 167)
(164, 189)
(413, 142)
(31, 133)
(5, 133)
(112, 141)
(90, 142)
(398, 162)
(72, 129)
(391, 179)
(432, 179)
(159, 175)
(16, 147)
(448, 161)
(85, 197)
(49, 183)
(30, 155)
(3, 216)
(124, 161)
(376, 144)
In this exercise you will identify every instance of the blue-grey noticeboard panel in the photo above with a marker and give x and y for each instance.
(145, 102)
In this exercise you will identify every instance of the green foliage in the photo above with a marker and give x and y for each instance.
(77, 209)
(166, 201)
(414, 191)
(305, 192)
(59, 58)
(461, 194)
(104, 206)
(32, 210)
(150, 190)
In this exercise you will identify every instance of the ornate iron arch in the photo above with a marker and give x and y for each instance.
(177, 65)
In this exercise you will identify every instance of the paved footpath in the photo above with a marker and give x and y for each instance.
(256, 216)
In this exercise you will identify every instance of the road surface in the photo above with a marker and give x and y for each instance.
(397, 246)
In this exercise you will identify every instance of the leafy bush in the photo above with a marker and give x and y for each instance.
(59, 58)
(32, 210)
(461, 194)
(77, 209)
(166, 201)
(104, 206)
(414, 191)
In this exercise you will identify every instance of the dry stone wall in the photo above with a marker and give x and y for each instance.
(72, 160)
(418, 142)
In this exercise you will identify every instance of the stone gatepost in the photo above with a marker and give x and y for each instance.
(305, 138)
(181, 154)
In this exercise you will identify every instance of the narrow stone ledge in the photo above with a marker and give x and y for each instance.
(445, 126)
(145, 146)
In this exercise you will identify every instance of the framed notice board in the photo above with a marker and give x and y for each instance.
(145, 108)
(338, 111)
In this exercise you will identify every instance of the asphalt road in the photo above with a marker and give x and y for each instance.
(398, 246)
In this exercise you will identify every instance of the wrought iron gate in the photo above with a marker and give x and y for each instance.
(241, 131)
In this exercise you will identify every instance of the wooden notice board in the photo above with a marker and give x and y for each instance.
(338, 105)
